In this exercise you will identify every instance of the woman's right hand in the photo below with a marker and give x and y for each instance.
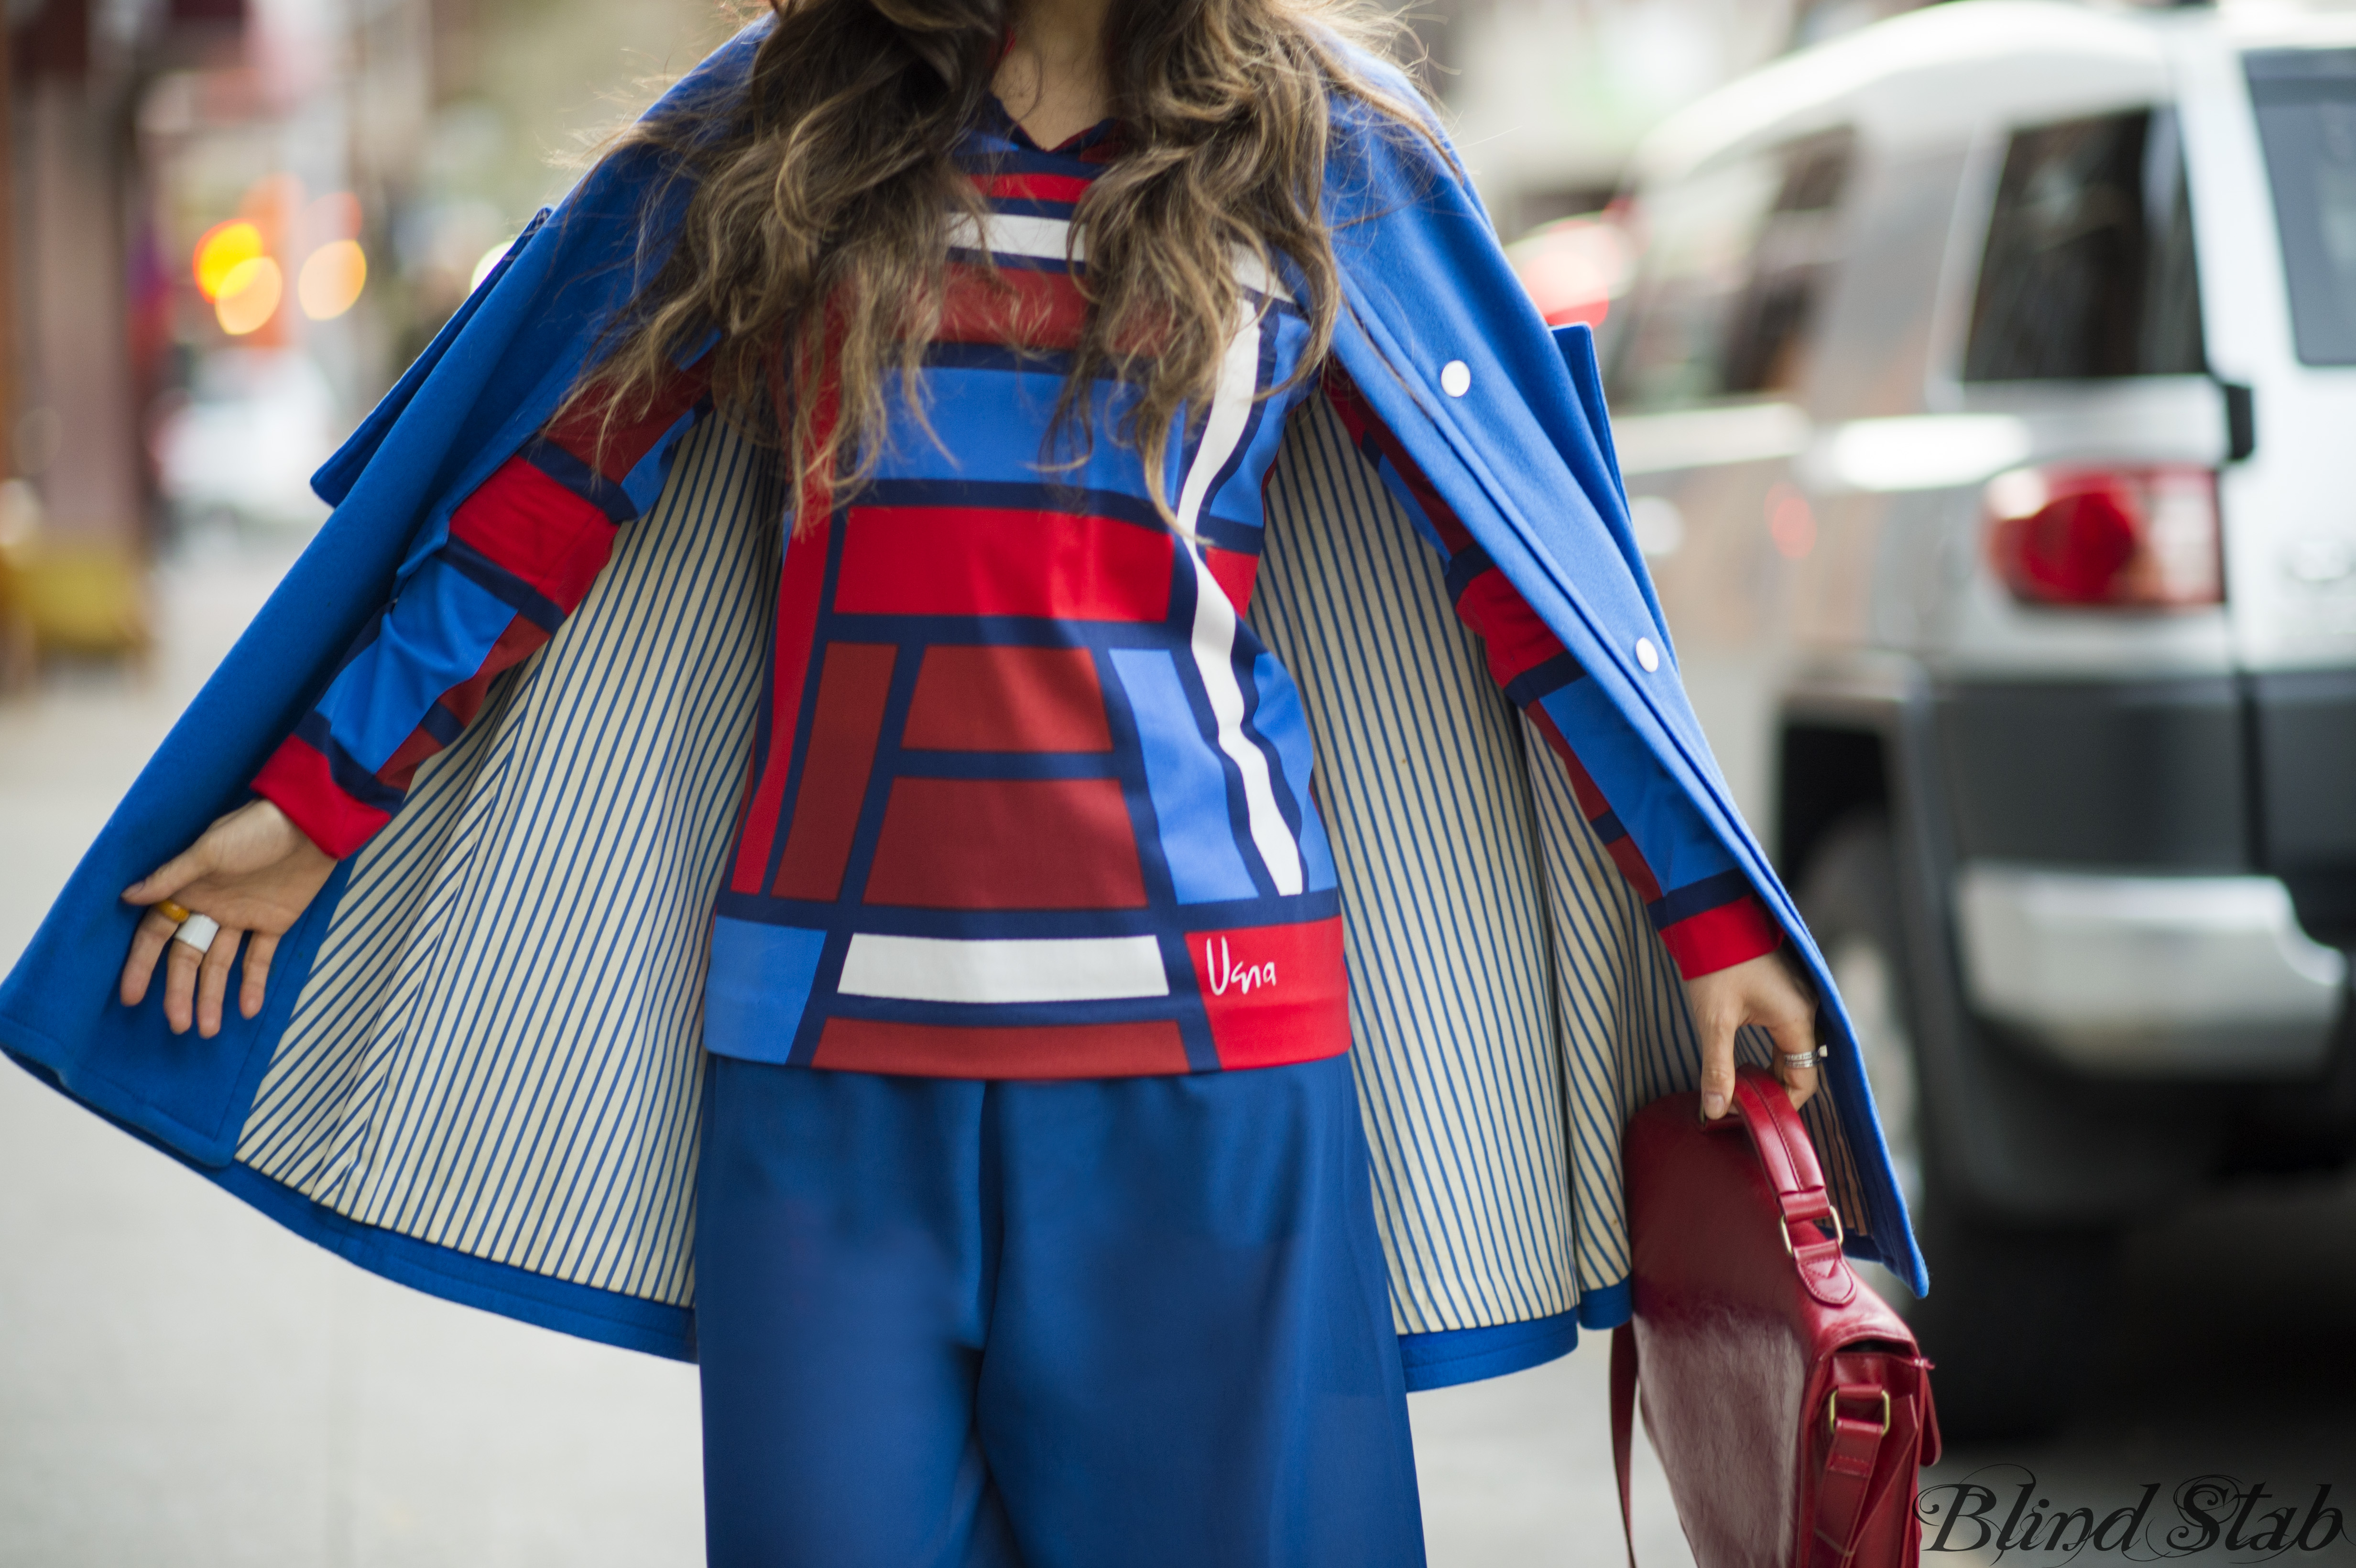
(255, 872)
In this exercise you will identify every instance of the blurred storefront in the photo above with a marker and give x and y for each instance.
(230, 222)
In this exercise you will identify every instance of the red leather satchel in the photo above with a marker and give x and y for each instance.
(1789, 1404)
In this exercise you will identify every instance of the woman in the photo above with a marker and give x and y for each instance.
(1032, 1220)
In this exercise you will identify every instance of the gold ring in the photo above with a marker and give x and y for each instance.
(176, 914)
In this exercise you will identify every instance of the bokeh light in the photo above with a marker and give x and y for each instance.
(331, 278)
(489, 261)
(1790, 521)
(335, 216)
(225, 247)
(250, 292)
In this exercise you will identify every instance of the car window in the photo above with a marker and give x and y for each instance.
(2089, 267)
(1735, 263)
(2305, 102)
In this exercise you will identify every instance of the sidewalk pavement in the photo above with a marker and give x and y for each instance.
(183, 1383)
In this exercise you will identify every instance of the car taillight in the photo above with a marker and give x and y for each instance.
(2130, 537)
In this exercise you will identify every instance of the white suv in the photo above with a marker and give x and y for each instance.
(1987, 391)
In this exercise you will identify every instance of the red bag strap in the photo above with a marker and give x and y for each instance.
(1788, 1157)
(1623, 1420)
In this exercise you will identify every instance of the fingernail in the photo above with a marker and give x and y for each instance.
(1713, 1103)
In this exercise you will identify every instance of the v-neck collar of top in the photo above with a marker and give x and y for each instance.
(1098, 136)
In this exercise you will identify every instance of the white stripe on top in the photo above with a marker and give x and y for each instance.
(1214, 640)
(1050, 240)
(937, 969)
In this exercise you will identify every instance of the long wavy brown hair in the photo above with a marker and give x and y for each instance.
(821, 204)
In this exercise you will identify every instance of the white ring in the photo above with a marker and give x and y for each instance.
(1805, 1058)
(199, 931)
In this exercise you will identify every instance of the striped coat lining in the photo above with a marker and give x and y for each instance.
(498, 1048)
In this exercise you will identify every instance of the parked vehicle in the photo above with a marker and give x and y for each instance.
(1986, 393)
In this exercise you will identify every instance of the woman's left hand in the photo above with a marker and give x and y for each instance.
(1762, 991)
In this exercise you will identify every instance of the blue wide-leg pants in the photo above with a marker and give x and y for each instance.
(1111, 1323)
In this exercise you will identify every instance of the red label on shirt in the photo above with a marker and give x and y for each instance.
(1274, 993)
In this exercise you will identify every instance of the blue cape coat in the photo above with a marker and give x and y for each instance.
(1522, 456)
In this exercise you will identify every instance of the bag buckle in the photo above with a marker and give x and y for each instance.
(1832, 1413)
(1840, 1232)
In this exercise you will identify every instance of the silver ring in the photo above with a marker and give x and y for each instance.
(1790, 1058)
(197, 930)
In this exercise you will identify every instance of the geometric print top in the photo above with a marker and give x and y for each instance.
(1028, 798)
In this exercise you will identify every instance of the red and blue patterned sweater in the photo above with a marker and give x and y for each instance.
(1028, 798)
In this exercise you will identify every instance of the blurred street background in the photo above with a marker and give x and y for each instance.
(227, 225)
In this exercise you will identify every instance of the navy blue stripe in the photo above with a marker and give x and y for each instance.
(345, 768)
(1006, 630)
(577, 476)
(916, 764)
(443, 725)
(1538, 681)
(1247, 538)
(503, 586)
(885, 920)
(994, 146)
(1053, 362)
(1068, 499)
(1697, 897)
(1464, 566)
(1609, 830)
(1031, 206)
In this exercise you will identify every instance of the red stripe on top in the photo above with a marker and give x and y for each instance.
(1512, 636)
(1007, 699)
(844, 728)
(1275, 994)
(296, 779)
(1033, 186)
(1722, 937)
(538, 529)
(1006, 844)
(615, 450)
(946, 1050)
(1236, 572)
(986, 561)
(518, 643)
(1020, 305)
(801, 585)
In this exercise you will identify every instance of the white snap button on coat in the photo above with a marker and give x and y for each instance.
(1456, 377)
(1647, 655)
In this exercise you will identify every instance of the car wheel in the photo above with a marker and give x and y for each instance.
(2008, 1315)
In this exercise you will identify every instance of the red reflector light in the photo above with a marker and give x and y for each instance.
(2142, 537)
